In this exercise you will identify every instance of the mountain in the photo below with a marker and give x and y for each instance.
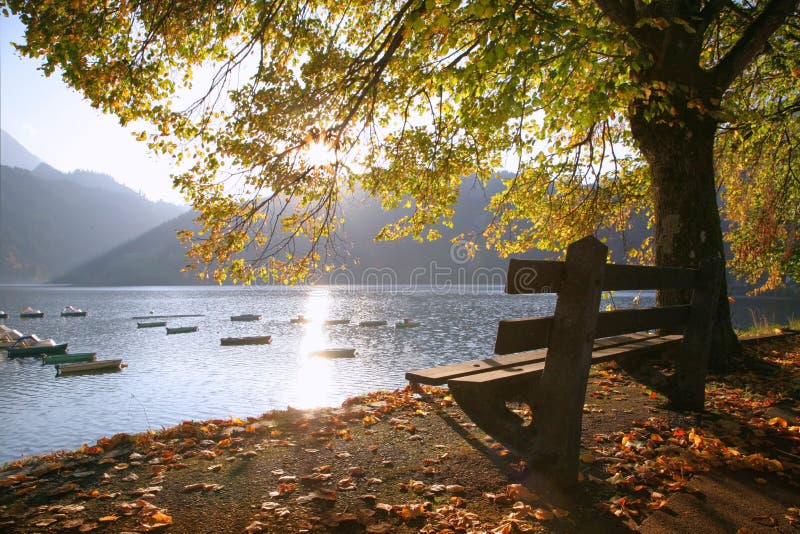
(50, 225)
(83, 178)
(13, 154)
(157, 257)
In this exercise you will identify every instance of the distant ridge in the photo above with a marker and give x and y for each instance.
(13, 154)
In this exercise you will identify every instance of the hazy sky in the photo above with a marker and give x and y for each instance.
(56, 124)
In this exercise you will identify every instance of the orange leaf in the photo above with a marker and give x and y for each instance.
(106, 518)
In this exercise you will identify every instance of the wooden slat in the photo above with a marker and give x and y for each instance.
(539, 276)
(617, 322)
(636, 277)
(534, 276)
(437, 376)
(513, 374)
(518, 335)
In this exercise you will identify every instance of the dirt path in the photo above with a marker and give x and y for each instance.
(393, 462)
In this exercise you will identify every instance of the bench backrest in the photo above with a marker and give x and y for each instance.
(539, 276)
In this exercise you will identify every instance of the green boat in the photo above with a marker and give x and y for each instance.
(99, 366)
(68, 358)
(36, 350)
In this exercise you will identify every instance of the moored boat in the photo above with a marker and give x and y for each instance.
(88, 367)
(300, 319)
(334, 353)
(72, 311)
(372, 323)
(406, 323)
(75, 357)
(151, 324)
(8, 336)
(330, 322)
(33, 346)
(249, 340)
(30, 313)
(246, 317)
(3, 315)
(181, 329)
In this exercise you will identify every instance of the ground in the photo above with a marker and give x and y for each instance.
(401, 462)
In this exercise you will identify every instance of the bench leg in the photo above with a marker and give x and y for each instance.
(486, 407)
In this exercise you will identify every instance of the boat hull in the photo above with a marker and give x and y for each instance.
(334, 353)
(246, 317)
(151, 324)
(181, 330)
(252, 340)
(37, 351)
(372, 323)
(37, 315)
(88, 367)
(76, 357)
(331, 322)
(74, 314)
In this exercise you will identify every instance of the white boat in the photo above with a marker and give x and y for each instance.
(28, 313)
(72, 311)
(406, 323)
(372, 323)
(8, 336)
(246, 317)
(334, 353)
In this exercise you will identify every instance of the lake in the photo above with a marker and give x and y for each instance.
(171, 378)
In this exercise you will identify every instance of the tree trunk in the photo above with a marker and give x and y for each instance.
(680, 154)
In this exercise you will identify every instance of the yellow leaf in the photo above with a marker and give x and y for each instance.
(543, 515)
(107, 518)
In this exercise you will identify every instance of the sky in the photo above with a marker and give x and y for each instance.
(58, 126)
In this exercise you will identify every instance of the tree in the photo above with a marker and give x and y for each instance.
(610, 109)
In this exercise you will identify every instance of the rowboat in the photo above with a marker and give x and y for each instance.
(372, 323)
(181, 330)
(330, 322)
(151, 324)
(23, 347)
(68, 358)
(246, 317)
(88, 367)
(334, 353)
(72, 311)
(30, 313)
(406, 323)
(252, 340)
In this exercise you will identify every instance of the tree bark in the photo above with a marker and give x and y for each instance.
(680, 152)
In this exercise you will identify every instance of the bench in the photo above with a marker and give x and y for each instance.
(544, 362)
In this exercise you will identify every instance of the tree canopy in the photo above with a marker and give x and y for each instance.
(306, 101)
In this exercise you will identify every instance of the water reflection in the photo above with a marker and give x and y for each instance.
(312, 383)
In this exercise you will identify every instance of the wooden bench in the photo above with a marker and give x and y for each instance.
(544, 362)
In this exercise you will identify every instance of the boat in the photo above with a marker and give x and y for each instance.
(246, 317)
(372, 323)
(87, 367)
(330, 322)
(75, 357)
(251, 340)
(151, 324)
(30, 313)
(33, 346)
(8, 336)
(406, 323)
(3, 315)
(334, 353)
(72, 311)
(300, 319)
(181, 330)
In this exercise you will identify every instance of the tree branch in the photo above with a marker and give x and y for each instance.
(752, 42)
(620, 12)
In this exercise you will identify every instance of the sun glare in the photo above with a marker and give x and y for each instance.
(319, 154)
(314, 389)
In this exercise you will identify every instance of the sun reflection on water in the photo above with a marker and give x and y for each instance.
(314, 375)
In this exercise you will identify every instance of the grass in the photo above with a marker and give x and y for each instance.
(762, 326)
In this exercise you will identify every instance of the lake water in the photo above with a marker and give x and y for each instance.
(171, 378)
